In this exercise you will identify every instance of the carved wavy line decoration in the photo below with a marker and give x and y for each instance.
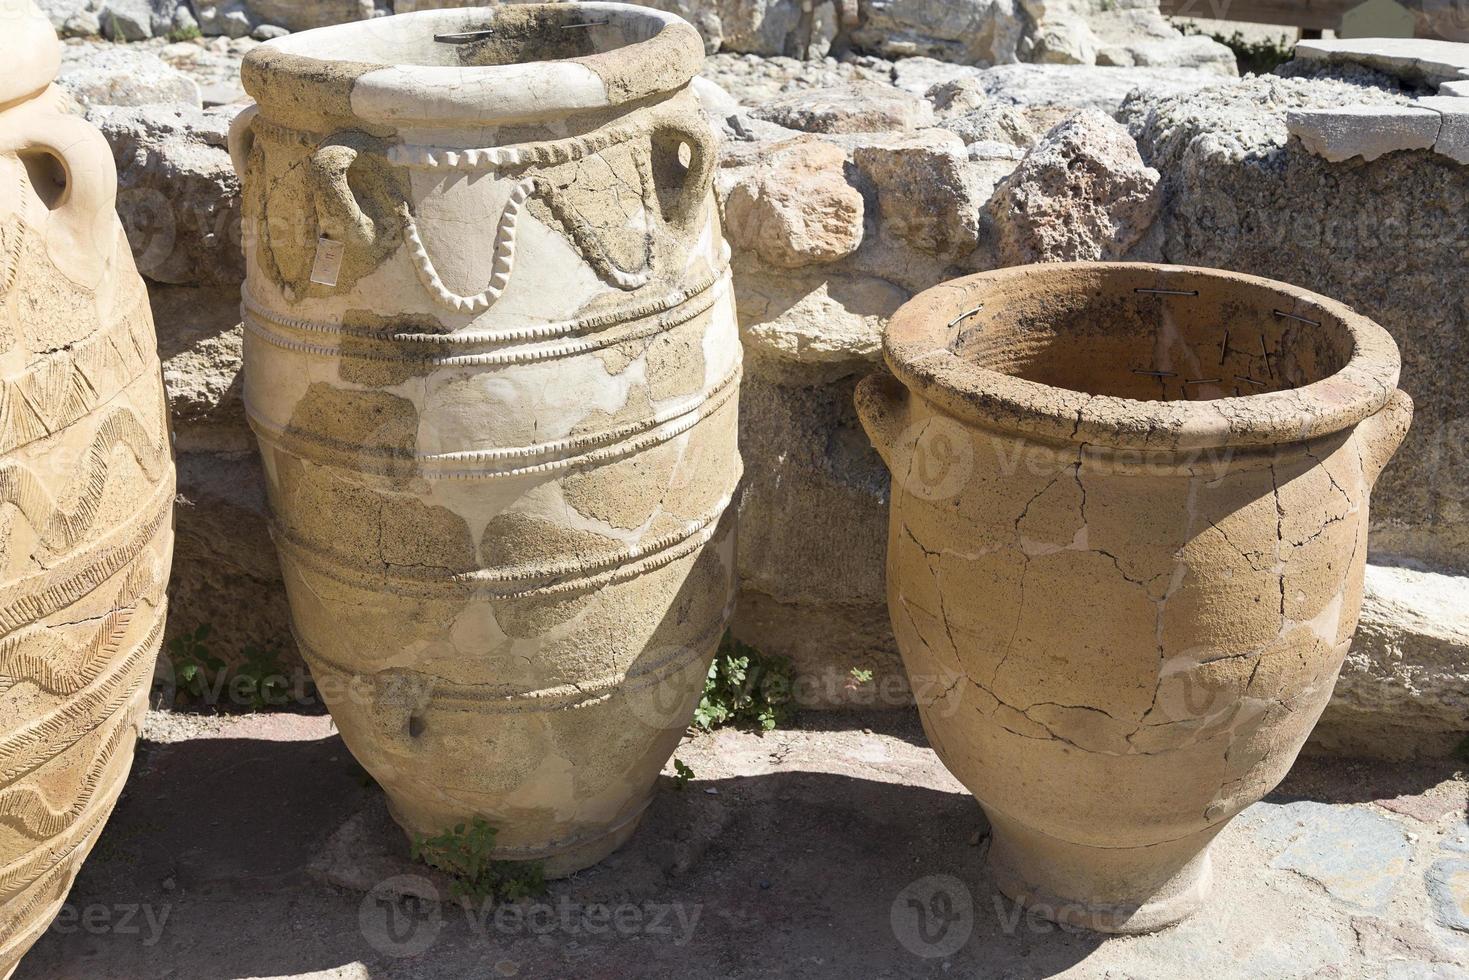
(37, 596)
(62, 527)
(50, 881)
(34, 865)
(26, 809)
(45, 738)
(52, 894)
(40, 654)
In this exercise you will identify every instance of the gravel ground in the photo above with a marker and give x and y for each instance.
(792, 854)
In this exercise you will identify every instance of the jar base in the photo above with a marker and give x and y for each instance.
(1127, 890)
(559, 859)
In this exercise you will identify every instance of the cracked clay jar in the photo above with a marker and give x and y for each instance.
(492, 363)
(1128, 526)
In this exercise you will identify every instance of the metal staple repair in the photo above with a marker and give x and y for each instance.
(465, 37)
(966, 315)
(1202, 381)
(1156, 374)
(590, 23)
(1254, 381)
(1292, 316)
(1168, 292)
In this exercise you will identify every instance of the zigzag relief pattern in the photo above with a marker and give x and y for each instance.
(35, 865)
(31, 746)
(26, 808)
(38, 596)
(12, 243)
(62, 527)
(52, 883)
(62, 386)
(40, 654)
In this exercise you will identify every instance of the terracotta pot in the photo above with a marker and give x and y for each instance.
(1129, 520)
(492, 362)
(86, 477)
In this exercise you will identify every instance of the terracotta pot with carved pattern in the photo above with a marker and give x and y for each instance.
(1129, 521)
(492, 362)
(86, 477)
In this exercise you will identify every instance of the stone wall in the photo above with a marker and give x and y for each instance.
(973, 32)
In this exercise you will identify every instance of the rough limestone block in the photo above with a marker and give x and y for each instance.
(178, 193)
(1364, 131)
(927, 196)
(861, 107)
(1404, 688)
(797, 208)
(1386, 237)
(1082, 193)
(304, 15)
(122, 76)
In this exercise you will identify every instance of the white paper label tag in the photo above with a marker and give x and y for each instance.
(328, 264)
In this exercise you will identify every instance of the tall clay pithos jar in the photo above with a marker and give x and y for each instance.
(86, 490)
(1129, 520)
(492, 362)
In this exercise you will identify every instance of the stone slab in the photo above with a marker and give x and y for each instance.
(1448, 886)
(1453, 134)
(1411, 59)
(1356, 855)
(1366, 131)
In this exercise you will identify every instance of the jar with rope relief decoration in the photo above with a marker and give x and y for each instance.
(493, 365)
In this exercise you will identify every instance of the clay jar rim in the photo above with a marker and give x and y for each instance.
(292, 71)
(33, 56)
(915, 347)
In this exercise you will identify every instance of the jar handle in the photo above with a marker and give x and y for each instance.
(1381, 434)
(695, 178)
(81, 239)
(338, 214)
(242, 138)
(882, 405)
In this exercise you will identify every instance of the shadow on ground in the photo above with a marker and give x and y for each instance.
(843, 850)
(788, 874)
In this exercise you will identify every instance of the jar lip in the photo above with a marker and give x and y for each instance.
(916, 349)
(34, 56)
(657, 53)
